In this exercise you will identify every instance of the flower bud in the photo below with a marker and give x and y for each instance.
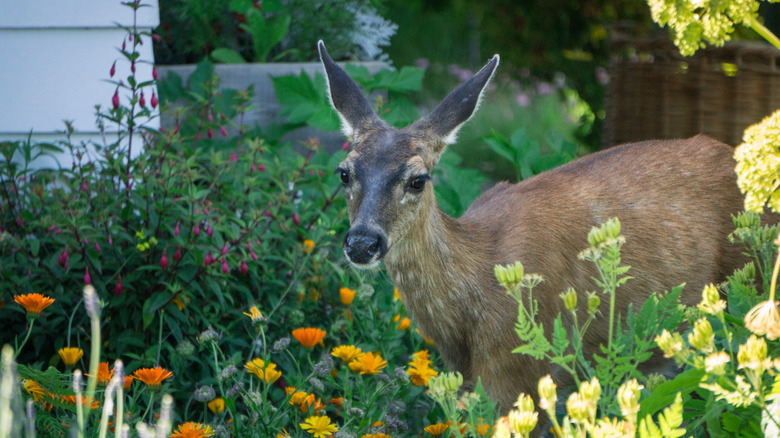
(97, 247)
(196, 230)
(177, 254)
(208, 259)
(224, 249)
(612, 228)
(593, 303)
(522, 422)
(209, 230)
(244, 267)
(225, 268)
(670, 344)
(577, 408)
(253, 255)
(224, 133)
(118, 287)
(296, 219)
(752, 354)
(597, 236)
(345, 146)
(154, 100)
(209, 132)
(524, 403)
(154, 69)
(710, 301)
(569, 299)
(164, 260)
(628, 399)
(115, 99)
(233, 156)
(87, 277)
(702, 338)
(113, 70)
(142, 100)
(176, 229)
(547, 394)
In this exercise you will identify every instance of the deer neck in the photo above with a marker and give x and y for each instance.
(438, 268)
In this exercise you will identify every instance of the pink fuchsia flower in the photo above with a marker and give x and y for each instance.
(97, 247)
(176, 229)
(233, 157)
(112, 72)
(223, 131)
(261, 167)
(225, 249)
(154, 69)
(154, 100)
(209, 259)
(164, 260)
(253, 255)
(345, 146)
(115, 99)
(224, 266)
(244, 267)
(209, 230)
(296, 219)
(209, 133)
(196, 230)
(177, 254)
(142, 100)
(118, 287)
(87, 277)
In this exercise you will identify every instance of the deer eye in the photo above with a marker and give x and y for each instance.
(418, 183)
(343, 175)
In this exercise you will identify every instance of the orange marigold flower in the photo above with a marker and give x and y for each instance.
(152, 376)
(34, 389)
(193, 430)
(482, 429)
(420, 373)
(33, 303)
(72, 400)
(309, 336)
(346, 295)
(347, 353)
(283, 434)
(308, 246)
(217, 405)
(370, 363)
(104, 376)
(70, 355)
(437, 429)
(128, 381)
(255, 315)
(319, 426)
(404, 324)
(397, 295)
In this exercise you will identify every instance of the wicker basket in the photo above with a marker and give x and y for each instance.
(658, 93)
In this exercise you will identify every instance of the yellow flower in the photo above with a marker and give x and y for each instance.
(34, 389)
(255, 315)
(309, 336)
(217, 405)
(33, 303)
(283, 434)
(437, 429)
(397, 295)
(346, 295)
(152, 376)
(70, 355)
(421, 375)
(193, 430)
(265, 372)
(376, 435)
(302, 399)
(319, 426)
(710, 301)
(404, 324)
(181, 301)
(370, 364)
(764, 319)
(347, 353)
(308, 246)
(758, 165)
(482, 429)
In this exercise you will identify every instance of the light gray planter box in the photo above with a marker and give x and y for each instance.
(241, 76)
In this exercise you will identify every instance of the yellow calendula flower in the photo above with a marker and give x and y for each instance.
(34, 389)
(758, 165)
(266, 372)
(255, 315)
(308, 246)
(309, 336)
(347, 353)
(217, 405)
(193, 430)
(70, 355)
(420, 374)
(33, 303)
(346, 295)
(368, 363)
(319, 426)
(437, 429)
(404, 324)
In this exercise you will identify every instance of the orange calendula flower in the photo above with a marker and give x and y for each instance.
(152, 376)
(437, 429)
(404, 324)
(193, 430)
(303, 400)
(217, 405)
(309, 336)
(482, 429)
(103, 376)
(319, 426)
(376, 435)
(368, 363)
(128, 382)
(308, 246)
(347, 295)
(34, 389)
(70, 355)
(72, 400)
(181, 301)
(255, 315)
(420, 373)
(33, 303)
(347, 353)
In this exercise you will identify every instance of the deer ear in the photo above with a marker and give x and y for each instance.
(458, 107)
(346, 97)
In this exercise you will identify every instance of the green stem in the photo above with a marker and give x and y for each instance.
(774, 280)
(148, 407)
(764, 32)
(19, 350)
(159, 336)
(94, 361)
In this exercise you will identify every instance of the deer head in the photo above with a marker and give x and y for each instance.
(386, 175)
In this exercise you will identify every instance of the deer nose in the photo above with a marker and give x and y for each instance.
(363, 245)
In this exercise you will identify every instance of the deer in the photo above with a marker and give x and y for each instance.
(674, 199)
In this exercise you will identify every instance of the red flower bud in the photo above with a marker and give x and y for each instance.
(211, 118)
(97, 247)
(156, 38)
(87, 277)
(296, 219)
(176, 230)
(164, 260)
(61, 258)
(115, 99)
(261, 167)
(224, 266)
(154, 72)
(124, 45)
(254, 256)
(345, 146)
(223, 131)
(196, 230)
(118, 287)
(254, 168)
(132, 66)
(112, 72)
(110, 241)
(177, 254)
(268, 213)
(209, 133)
(209, 230)
(244, 267)
(142, 100)
(154, 100)
(208, 259)
(197, 210)
(225, 249)
(233, 157)
(249, 245)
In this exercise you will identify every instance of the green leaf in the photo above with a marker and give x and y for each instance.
(560, 337)
(266, 32)
(204, 73)
(407, 79)
(684, 383)
(240, 6)
(227, 56)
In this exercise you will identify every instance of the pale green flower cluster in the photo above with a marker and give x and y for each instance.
(758, 165)
(695, 22)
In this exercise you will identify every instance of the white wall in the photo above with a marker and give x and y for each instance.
(55, 57)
